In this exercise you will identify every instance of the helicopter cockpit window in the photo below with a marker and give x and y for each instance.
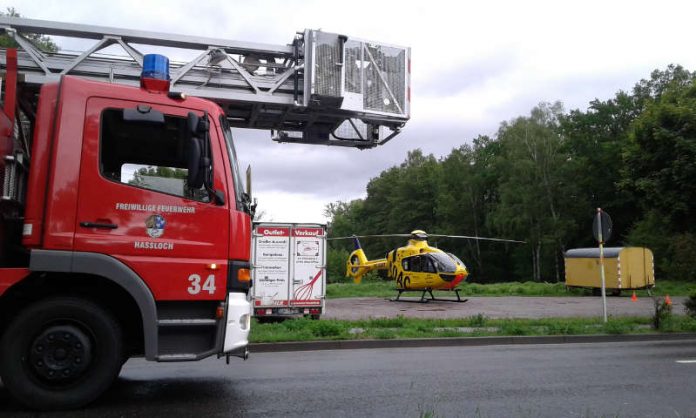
(443, 263)
(427, 264)
(456, 259)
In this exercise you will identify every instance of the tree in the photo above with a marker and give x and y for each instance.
(673, 77)
(631, 155)
(594, 141)
(345, 220)
(659, 169)
(414, 195)
(469, 192)
(541, 179)
(660, 157)
(42, 42)
(534, 186)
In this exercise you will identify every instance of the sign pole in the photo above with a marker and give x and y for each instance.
(601, 264)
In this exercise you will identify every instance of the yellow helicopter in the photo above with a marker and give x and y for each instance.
(416, 266)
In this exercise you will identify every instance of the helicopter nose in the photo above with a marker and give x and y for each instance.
(458, 279)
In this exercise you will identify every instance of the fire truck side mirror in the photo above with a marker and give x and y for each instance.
(195, 154)
(198, 126)
(193, 160)
(193, 123)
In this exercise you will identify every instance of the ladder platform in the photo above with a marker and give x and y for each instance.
(322, 88)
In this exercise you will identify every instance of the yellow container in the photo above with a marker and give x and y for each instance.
(625, 268)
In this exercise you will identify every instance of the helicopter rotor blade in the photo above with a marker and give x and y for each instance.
(476, 238)
(371, 236)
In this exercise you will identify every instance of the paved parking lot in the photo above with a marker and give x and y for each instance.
(492, 307)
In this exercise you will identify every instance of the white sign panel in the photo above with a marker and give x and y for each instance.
(271, 265)
(308, 266)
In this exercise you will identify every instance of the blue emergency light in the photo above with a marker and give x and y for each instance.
(155, 66)
(155, 75)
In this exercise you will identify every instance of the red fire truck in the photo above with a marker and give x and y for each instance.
(124, 226)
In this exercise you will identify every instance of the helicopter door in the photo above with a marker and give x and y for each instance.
(429, 271)
(419, 272)
(405, 279)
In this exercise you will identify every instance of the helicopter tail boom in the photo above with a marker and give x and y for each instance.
(358, 265)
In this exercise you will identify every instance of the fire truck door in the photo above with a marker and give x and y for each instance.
(135, 204)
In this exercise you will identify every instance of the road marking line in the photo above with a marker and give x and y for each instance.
(686, 361)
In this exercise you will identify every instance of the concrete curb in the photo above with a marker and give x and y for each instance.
(460, 342)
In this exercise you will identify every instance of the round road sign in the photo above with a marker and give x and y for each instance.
(601, 226)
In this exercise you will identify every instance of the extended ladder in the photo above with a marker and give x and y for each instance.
(323, 88)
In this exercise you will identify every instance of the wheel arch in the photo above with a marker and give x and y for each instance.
(49, 264)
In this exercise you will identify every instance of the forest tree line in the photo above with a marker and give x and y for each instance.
(540, 179)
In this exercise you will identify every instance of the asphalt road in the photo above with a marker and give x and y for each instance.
(638, 379)
(493, 307)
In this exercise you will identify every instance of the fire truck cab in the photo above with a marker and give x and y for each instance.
(133, 239)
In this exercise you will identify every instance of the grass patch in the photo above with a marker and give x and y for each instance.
(385, 288)
(303, 329)
(300, 329)
(515, 328)
(678, 323)
(618, 327)
(397, 322)
(564, 328)
(478, 320)
(368, 287)
(668, 287)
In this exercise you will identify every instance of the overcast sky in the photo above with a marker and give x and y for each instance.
(474, 64)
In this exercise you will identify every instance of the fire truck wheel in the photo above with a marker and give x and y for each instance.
(60, 353)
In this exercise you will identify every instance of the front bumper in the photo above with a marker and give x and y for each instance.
(237, 322)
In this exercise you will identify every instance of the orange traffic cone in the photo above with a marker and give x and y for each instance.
(634, 298)
(668, 301)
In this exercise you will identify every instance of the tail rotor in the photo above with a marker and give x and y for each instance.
(355, 265)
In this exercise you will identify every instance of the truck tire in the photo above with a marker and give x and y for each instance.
(60, 353)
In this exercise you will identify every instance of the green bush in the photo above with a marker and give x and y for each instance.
(477, 321)
(563, 328)
(336, 266)
(615, 327)
(674, 252)
(684, 324)
(662, 319)
(295, 324)
(683, 253)
(690, 305)
(385, 334)
(514, 328)
(650, 232)
(397, 322)
(327, 329)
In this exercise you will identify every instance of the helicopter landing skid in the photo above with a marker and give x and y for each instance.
(423, 299)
